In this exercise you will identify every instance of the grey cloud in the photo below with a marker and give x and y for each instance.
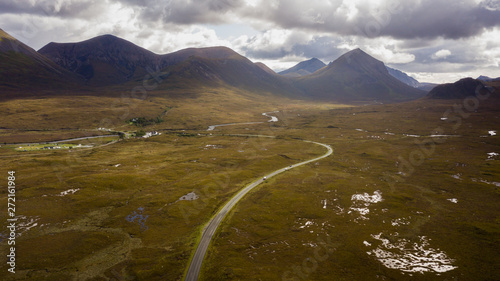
(436, 67)
(463, 58)
(185, 12)
(460, 54)
(397, 19)
(171, 11)
(63, 9)
(447, 19)
(425, 19)
(321, 47)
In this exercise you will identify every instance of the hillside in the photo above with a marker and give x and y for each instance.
(459, 90)
(22, 68)
(109, 60)
(265, 67)
(103, 60)
(222, 67)
(303, 68)
(356, 76)
(403, 77)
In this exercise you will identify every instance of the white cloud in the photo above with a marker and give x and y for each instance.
(273, 43)
(439, 78)
(390, 56)
(37, 30)
(349, 9)
(191, 36)
(441, 54)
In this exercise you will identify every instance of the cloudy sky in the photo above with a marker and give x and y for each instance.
(432, 40)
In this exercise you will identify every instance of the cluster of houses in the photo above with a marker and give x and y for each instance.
(45, 147)
(51, 147)
(150, 134)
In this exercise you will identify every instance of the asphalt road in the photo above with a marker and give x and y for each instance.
(211, 227)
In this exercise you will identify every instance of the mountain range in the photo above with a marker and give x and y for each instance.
(107, 60)
(312, 65)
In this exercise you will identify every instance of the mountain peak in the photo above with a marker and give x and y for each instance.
(313, 60)
(107, 36)
(304, 68)
(217, 52)
(359, 60)
(357, 76)
(5, 35)
(358, 53)
(10, 44)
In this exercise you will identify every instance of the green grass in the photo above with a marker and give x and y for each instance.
(153, 174)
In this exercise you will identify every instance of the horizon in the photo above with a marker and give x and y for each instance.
(433, 50)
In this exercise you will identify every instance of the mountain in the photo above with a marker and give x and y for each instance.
(487, 79)
(109, 60)
(103, 60)
(303, 68)
(356, 76)
(410, 81)
(459, 90)
(403, 77)
(24, 68)
(222, 67)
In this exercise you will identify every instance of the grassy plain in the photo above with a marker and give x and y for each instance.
(114, 212)
(307, 225)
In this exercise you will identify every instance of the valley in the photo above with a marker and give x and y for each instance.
(444, 201)
(334, 172)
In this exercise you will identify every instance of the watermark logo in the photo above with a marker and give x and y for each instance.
(11, 212)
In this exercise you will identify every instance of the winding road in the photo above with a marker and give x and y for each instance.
(211, 227)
